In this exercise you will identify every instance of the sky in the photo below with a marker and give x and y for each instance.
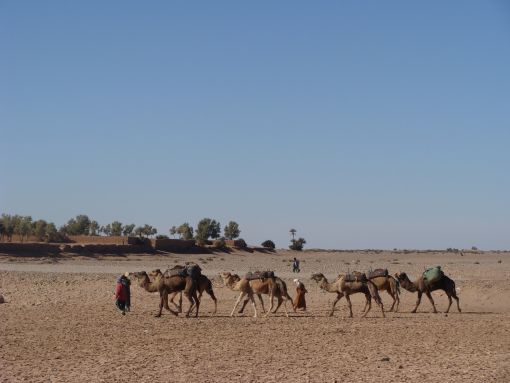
(361, 124)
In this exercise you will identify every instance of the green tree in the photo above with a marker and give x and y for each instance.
(24, 227)
(51, 232)
(8, 226)
(94, 228)
(268, 244)
(293, 233)
(40, 229)
(232, 230)
(297, 244)
(149, 231)
(173, 231)
(139, 231)
(207, 228)
(116, 228)
(128, 229)
(78, 226)
(107, 230)
(185, 231)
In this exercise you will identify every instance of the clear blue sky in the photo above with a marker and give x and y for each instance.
(362, 124)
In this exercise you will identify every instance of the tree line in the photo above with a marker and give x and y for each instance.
(206, 229)
(25, 226)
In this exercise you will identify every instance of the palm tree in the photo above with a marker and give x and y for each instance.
(293, 233)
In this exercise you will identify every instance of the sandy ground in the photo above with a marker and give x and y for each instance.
(60, 324)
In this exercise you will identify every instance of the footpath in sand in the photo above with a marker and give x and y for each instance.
(60, 324)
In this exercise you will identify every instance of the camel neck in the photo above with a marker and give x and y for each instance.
(409, 286)
(148, 285)
(327, 286)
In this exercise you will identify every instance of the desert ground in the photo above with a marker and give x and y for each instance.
(60, 324)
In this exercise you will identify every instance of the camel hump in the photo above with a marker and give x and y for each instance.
(355, 276)
(378, 273)
(433, 274)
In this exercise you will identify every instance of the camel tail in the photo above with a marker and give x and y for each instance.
(398, 285)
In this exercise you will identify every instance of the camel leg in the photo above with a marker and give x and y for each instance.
(429, 295)
(261, 302)
(178, 307)
(245, 302)
(367, 303)
(454, 295)
(290, 299)
(197, 303)
(164, 303)
(417, 302)
(397, 298)
(449, 302)
(285, 307)
(211, 294)
(381, 305)
(390, 293)
(191, 303)
(279, 299)
(161, 303)
(237, 303)
(349, 304)
(248, 299)
(254, 305)
(271, 299)
(338, 297)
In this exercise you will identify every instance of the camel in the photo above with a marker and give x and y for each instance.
(274, 287)
(260, 287)
(343, 288)
(420, 286)
(389, 284)
(203, 284)
(166, 285)
(242, 285)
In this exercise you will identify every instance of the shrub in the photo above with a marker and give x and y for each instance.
(268, 244)
(241, 243)
(162, 236)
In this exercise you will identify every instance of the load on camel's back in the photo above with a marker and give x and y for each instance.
(432, 275)
(259, 275)
(189, 270)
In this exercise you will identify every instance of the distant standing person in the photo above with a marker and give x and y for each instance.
(299, 300)
(295, 266)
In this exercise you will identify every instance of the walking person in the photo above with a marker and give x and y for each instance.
(299, 300)
(295, 265)
(127, 286)
(122, 290)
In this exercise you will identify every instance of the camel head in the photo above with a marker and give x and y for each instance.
(226, 277)
(229, 279)
(318, 277)
(155, 273)
(401, 277)
(140, 276)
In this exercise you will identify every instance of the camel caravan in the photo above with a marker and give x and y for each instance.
(189, 281)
